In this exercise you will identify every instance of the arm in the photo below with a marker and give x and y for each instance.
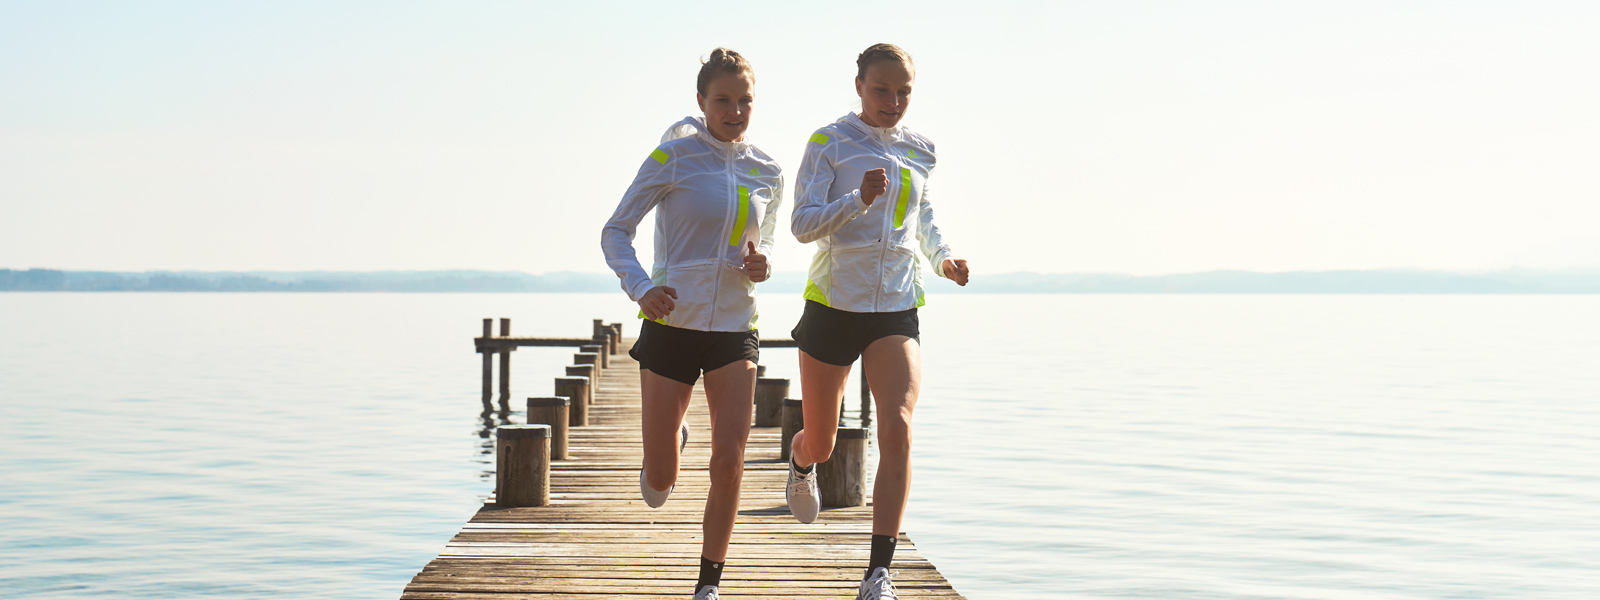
(933, 245)
(815, 215)
(756, 266)
(649, 187)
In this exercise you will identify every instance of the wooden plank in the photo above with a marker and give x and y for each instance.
(597, 539)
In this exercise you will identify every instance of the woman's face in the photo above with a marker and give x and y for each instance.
(727, 103)
(885, 92)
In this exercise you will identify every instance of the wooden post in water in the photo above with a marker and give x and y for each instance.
(599, 351)
(770, 393)
(866, 396)
(488, 368)
(522, 465)
(843, 477)
(794, 418)
(552, 412)
(505, 367)
(579, 390)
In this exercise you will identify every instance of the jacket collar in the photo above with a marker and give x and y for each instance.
(696, 126)
(884, 135)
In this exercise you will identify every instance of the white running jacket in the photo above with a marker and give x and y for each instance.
(866, 257)
(710, 198)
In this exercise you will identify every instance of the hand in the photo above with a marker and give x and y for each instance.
(955, 269)
(658, 302)
(873, 184)
(755, 264)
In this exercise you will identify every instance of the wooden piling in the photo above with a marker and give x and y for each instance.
(505, 367)
(579, 390)
(794, 418)
(770, 393)
(488, 369)
(843, 477)
(522, 465)
(616, 340)
(598, 351)
(589, 372)
(552, 411)
(588, 358)
(761, 370)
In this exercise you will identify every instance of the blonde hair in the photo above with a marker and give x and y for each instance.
(722, 62)
(881, 52)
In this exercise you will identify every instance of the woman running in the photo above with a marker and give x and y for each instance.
(717, 198)
(862, 196)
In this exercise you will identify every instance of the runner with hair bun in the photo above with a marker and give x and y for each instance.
(862, 196)
(716, 199)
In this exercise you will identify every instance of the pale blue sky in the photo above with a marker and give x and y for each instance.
(1140, 137)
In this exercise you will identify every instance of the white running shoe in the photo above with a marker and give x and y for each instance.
(877, 587)
(655, 498)
(802, 494)
(706, 593)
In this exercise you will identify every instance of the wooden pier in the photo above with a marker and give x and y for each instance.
(595, 538)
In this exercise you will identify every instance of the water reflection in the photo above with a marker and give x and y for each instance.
(487, 422)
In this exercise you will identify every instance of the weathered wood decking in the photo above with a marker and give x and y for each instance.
(597, 539)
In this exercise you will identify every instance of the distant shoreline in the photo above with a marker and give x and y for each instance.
(1387, 281)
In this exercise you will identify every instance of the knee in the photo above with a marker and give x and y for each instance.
(817, 447)
(894, 435)
(727, 466)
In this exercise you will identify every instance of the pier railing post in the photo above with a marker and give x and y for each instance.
(586, 372)
(770, 393)
(505, 367)
(843, 477)
(522, 465)
(616, 340)
(552, 412)
(794, 418)
(488, 367)
(599, 351)
(761, 370)
(579, 390)
(589, 358)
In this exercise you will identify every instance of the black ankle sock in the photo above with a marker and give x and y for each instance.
(802, 470)
(710, 574)
(882, 553)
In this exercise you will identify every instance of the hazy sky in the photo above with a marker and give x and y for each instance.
(1140, 137)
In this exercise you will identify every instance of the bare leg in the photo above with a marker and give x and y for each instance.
(821, 387)
(894, 371)
(663, 402)
(730, 394)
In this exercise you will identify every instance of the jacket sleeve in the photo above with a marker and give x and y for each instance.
(815, 215)
(769, 222)
(649, 187)
(928, 233)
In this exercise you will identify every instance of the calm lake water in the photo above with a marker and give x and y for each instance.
(1083, 446)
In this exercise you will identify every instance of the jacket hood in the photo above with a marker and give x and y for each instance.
(685, 128)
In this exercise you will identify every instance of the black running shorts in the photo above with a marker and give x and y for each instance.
(838, 337)
(681, 354)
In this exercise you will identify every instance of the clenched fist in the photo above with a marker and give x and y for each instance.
(873, 184)
(755, 264)
(658, 302)
(955, 269)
